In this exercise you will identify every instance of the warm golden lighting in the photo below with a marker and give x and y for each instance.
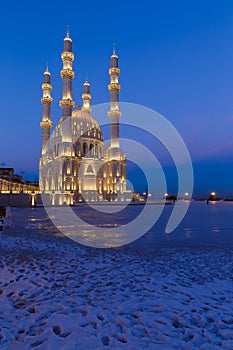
(212, 193)
(33, 199)
(60, 163)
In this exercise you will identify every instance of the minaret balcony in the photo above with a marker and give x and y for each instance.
(67, 54)
(114, 86)
(114, 71)
(46, 86)
(66, 103)
(46, 99)
(46, 124)
(67, 73)
(114, 114)
(86, 96)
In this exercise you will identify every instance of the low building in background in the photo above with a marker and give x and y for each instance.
(13, 183)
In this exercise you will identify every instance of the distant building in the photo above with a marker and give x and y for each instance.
(75, 166)
(7, 173)
(11, 182)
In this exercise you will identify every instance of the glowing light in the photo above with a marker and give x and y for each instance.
(212, 193)
(33, 199)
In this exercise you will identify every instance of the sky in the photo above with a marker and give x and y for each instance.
(176, 57)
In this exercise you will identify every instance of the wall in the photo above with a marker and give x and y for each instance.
(18, 199)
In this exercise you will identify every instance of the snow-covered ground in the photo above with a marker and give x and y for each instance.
(159, 293)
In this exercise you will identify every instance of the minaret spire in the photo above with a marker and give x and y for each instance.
(114, 88)
(86, 96)
(68, 31)
(46, 101)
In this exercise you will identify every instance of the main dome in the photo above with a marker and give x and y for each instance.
(84, 119)
(84, 125)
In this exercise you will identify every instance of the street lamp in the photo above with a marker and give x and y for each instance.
(33, 198)
(212, 197)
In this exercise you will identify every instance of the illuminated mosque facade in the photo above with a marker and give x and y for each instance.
(74, 165)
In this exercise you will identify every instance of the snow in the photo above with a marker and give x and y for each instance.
(159, 293)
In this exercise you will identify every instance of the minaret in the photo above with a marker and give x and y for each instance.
(66, 102)
(114, 113)
(46, 101)
(67, 76)
(86, 96)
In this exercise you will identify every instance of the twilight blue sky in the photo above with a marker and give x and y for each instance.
(175, 57)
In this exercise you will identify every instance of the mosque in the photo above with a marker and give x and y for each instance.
(74, 165)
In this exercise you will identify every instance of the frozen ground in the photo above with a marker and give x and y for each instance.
(162, 292)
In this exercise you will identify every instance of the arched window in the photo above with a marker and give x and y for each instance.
(77, 149)
(84, 148)
(91, 150)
